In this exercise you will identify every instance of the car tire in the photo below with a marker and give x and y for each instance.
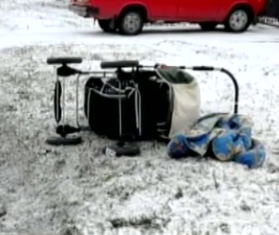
(238, 20)
(131, 22)
(105, 26)
(208, 26)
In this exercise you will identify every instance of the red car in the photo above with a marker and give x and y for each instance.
(129, 16)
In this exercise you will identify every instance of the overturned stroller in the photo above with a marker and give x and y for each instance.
(130, 102)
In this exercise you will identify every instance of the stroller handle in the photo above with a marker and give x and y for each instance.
(229, 74)
(236, 87)
(222, 70)
(64, 60)
(119, 64)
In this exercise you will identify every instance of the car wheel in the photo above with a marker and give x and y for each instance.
(238, 21)
(131, 22)
(208, 26)
(105, 26)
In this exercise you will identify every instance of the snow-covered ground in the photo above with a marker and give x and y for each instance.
(77, 190)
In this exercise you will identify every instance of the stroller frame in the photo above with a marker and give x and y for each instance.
(64, 71)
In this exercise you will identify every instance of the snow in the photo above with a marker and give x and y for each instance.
(77, 190)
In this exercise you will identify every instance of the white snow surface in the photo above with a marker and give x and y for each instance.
(79, 191)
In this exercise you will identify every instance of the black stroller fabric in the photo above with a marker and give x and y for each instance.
(102, 111)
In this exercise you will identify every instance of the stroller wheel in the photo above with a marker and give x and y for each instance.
(68, 140)
(117, 150)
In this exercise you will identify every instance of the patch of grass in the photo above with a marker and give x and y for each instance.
(179, 193)
(144, 222)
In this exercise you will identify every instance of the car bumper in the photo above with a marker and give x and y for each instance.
(85, 11)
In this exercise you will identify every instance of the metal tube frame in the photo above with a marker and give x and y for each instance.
(137, 69)
(195, 68)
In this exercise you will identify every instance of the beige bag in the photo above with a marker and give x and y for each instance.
(186, 98)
